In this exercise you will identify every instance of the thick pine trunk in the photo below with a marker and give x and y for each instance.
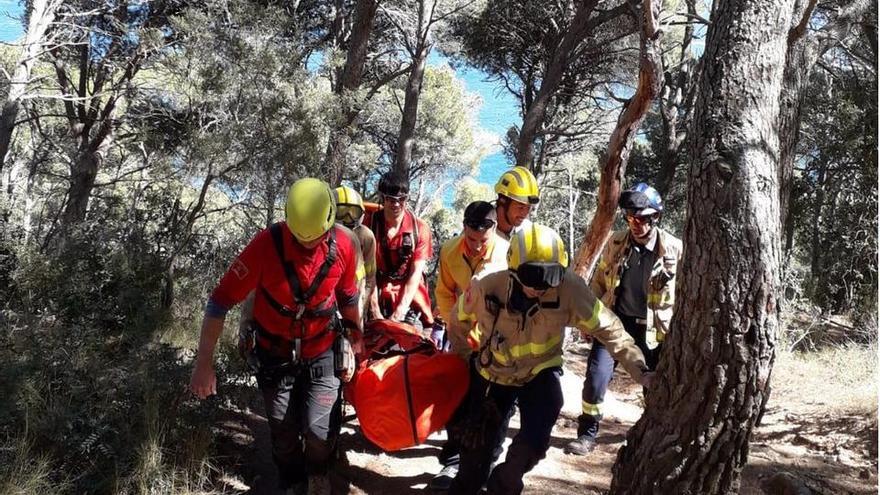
(714, 373)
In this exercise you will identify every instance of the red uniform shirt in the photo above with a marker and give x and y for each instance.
(423, 249)
(388, 262)
(258, 267)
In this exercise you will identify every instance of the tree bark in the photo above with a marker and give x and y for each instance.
(352, 74)
(422, 47)
(714, 372)
(621, 140)
(41, 16)
(83, 173)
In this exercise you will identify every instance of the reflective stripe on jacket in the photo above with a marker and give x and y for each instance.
(661, 284)
(514, 347)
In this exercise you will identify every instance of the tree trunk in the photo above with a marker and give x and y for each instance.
(406, 136)
(714, 372)
(82, 180)
(621, 141)
(352, 74)
(816, 238)
(41, 16)
(552, 77)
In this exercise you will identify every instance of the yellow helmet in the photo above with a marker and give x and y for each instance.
(349, 206)
(348, 196)
(310, 209)
(536, 244)
(518, 184)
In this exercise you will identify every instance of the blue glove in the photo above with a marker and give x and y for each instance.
(438, 336)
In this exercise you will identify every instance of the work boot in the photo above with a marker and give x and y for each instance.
(583, 445)
(443, 480)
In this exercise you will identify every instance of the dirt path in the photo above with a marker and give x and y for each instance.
(800, 444)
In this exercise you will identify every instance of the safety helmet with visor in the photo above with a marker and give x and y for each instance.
(537, 257)
(518, 184)
(349, 206)
(641, 200)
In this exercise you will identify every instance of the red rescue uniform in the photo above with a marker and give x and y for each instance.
(392, 269)
(259, 267)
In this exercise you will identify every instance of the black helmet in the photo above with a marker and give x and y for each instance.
(641, 200)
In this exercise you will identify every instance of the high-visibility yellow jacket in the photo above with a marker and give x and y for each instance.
(661, 284)
(457, 270)
(514, 347)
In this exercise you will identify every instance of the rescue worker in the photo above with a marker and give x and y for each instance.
(517, 191)
(350, 212)
(636, 278)
(521, 314)
(303, 270)
(403, 249)
(476, 252)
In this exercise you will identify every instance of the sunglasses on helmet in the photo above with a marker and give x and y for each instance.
(480, 225)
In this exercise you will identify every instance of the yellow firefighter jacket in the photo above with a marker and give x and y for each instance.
(661, 285)
(514, 347)
(457, 270)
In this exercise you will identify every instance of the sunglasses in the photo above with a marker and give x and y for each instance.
(394, 199)
(480, 225)
(638, 220)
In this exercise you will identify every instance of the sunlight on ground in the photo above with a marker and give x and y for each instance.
(843, 379)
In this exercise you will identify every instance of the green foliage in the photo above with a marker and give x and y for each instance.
(446, 147)
(88, 390)
(834, 202)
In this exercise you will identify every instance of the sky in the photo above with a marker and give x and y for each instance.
(10, 25)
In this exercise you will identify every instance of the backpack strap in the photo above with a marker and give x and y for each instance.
(378, 226)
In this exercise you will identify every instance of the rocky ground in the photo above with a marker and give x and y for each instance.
(819, 435)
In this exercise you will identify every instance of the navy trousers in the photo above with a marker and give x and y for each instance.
(600, 370)
(539, 402)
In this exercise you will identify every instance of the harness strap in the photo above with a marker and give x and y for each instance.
(378, 226)
(288, 312)
(300, 297)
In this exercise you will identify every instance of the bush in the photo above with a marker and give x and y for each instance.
(89, 394)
